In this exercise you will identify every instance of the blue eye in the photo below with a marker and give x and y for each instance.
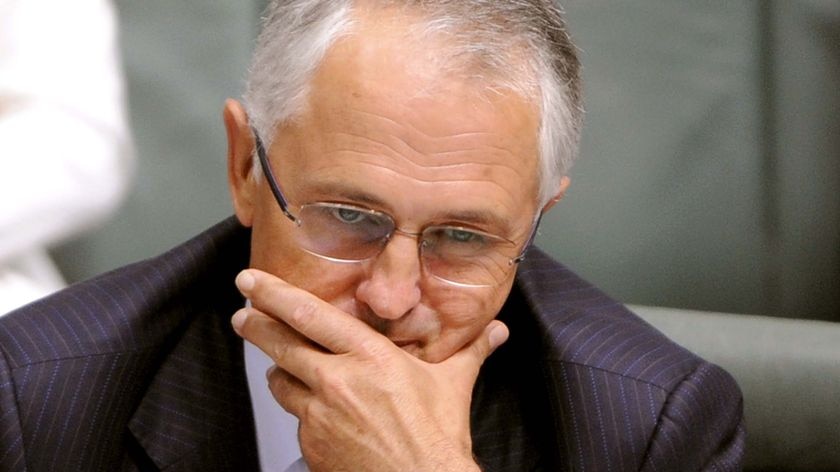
(346, 215)
(462, 236)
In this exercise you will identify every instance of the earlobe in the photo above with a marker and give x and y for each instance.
(240, 149)
(564, 185)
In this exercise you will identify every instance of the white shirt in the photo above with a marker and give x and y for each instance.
(65, 150)
(277, 441)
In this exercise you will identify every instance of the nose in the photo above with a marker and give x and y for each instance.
(391, 287)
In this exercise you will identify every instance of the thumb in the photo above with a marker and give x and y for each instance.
(471, 356)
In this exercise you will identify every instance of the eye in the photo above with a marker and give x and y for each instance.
(347, 215)
(463, 236)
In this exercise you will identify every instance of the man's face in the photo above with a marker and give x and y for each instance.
(382, 132)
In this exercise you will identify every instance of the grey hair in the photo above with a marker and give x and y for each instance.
(490, 37)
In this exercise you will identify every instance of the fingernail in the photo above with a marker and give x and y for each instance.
(238, 320)
(498, 336)
(245, 281)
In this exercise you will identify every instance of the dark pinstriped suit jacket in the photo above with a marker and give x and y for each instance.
(138, 369)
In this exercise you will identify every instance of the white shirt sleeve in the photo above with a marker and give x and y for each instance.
(65, 150)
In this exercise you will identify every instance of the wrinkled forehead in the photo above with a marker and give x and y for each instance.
(381, 105)
(381, 72)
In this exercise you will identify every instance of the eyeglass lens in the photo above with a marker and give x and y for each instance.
(345, 233)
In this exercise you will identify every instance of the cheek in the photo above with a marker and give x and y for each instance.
(462, 316)
(274, 250)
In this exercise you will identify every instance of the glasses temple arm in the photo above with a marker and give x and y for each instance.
(269, 175)
(530, 241)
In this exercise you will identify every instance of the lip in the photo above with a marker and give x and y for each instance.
(401, 343)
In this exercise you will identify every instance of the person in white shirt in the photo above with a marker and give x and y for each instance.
(65, 149)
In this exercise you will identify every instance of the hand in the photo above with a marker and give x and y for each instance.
(363, 403)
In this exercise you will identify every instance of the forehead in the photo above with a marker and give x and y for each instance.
(381, 102)
(386, 61)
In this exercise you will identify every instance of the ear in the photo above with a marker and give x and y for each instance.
(564, 184)
(240, 150)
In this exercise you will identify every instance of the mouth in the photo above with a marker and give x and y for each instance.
(406, 343)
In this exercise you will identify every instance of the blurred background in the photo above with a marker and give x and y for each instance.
(708, 179)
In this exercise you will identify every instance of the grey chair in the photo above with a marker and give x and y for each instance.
(789, 372)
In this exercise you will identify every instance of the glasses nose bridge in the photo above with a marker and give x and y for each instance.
(400, 253)
(418, 235)
(410, 234)
(420, 245)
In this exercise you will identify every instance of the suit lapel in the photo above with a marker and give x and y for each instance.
(520, 416)
(197, 406)
(196, 413)
(511, 422)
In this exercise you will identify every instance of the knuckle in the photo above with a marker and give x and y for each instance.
(279, 351)
(303, 314)
(275, 381)
(372, 349)
(329, 380)
(481, 349)
(307, 413)
(336, 391)
(314, 417)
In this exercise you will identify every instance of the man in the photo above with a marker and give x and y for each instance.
(392, 162)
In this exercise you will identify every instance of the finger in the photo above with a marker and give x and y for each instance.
(285, 346)
(317, 320)
(288, 391)
(470, 357)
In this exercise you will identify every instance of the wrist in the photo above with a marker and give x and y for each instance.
(464, 465)
(449, 458)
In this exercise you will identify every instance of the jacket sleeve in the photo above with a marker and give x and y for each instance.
(701, 426)
(11, 437)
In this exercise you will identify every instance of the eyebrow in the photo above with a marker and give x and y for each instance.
(476, 217)
(346, 192)
(480, 218)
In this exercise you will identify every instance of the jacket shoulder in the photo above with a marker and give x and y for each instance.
(584, 326)
(81, 368)
(621, 389)
(121, 311)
